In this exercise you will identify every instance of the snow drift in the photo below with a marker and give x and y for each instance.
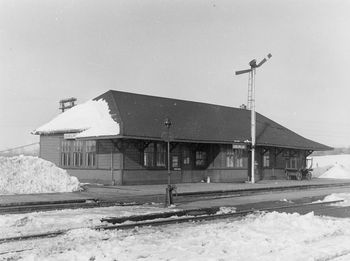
(330, 160)
(26, 175)
(338, 171)
(332, 166)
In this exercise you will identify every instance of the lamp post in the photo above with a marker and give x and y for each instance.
(169, 189)
(251, 104)
(167, 124)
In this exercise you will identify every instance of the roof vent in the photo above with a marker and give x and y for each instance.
(68, 103)
(243, 106)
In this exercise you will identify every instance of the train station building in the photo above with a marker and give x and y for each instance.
(120, 138)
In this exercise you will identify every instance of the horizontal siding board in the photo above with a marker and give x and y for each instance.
(50, 148)
(104, 161)
(97, 176)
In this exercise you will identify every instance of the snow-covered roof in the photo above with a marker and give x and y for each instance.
(90, 119)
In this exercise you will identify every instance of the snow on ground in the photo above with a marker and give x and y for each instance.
(338, 166)
(91, 119)
(261, 236)
(329, 160)
(26, 175)
(337, 171)
(12, 225)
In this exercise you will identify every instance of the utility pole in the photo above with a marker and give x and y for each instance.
(251, 105)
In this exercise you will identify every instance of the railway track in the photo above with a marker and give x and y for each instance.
(168, 219)
(58, 205)
(182, 197)
(219, 194)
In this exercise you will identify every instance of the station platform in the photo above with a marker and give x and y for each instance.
(141, 194)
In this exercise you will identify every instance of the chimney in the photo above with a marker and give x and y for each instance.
(68, 103)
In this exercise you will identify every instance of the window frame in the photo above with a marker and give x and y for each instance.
(76, 154)
(234, 158)
(266, 160)
(202, 157)
(157, 155)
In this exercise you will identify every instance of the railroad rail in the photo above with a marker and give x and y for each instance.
(57, 205)
(161, 219)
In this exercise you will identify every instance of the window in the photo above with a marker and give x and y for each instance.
(234, 158)
(230, 158)
(292, 163)
(201, 158)
(65, 153)
(175, 161)
(160, 154)
(77, 153)
(73, 151)
(155, 155)
(186, 156)
(90, 154)
(148, 155)
(266, 159)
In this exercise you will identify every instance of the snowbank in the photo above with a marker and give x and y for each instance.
(330, 160)
(12, 225)
(338, 171)
(91, 119)
(337, 166)
(26, 175)
(258, 237)
(337, 196)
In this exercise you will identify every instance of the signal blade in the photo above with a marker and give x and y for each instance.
(262, 62)
(243, 71)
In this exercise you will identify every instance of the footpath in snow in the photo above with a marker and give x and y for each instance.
(27, 175)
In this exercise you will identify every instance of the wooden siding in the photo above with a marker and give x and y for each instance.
(97, 176)
(133, 160)
(104, 161)
(50, 148)
(138, 177)
(228, 175)
(274, 174)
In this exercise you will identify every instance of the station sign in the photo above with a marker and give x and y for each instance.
(239, 146)
(70, 136)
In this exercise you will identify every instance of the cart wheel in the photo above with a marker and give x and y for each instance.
(298, 176)
(308, 175)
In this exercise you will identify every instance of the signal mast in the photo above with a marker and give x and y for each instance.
(251, 104)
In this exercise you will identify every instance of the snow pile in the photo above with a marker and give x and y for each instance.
(337, 196)
(226, 210)
(338, 171)
(330, 160)
(27, 174)
(322, 164)
(12, 225)
(263, 237)
(91, 119)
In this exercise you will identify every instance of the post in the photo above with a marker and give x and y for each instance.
(251, 87)
(169, 178)
(253, 125)
(169, 189)
(112, 168)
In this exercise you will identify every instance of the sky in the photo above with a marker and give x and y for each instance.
(50, 50)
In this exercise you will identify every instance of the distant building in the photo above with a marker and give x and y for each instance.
(117, 138)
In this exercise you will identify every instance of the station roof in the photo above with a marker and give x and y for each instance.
(142, 117)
